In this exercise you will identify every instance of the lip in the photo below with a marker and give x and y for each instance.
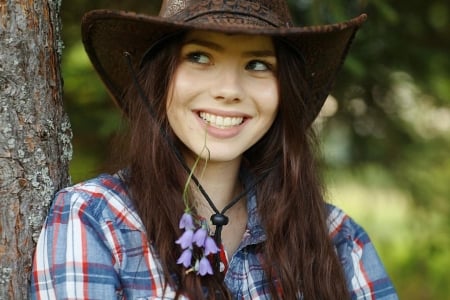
(222, 133)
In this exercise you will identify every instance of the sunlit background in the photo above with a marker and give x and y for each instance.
(385, 129)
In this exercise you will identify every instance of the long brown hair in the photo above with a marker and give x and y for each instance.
(290, 203)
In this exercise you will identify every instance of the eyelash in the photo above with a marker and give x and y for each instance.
(196, 56)
(268, 66)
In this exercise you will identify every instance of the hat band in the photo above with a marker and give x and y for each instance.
(241, 8)
(238, 18)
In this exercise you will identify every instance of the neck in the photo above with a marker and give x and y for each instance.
(220, 181)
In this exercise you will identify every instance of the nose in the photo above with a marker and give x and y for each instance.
(228, 85)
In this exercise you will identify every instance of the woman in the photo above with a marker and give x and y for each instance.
(219, 195)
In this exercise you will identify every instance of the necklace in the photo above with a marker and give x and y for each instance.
(218, 218)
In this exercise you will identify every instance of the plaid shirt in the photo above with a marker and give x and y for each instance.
(94, 246)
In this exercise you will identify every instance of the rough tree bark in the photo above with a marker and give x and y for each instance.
(35, 133)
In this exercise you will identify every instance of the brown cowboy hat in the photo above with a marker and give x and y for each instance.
(109, 35)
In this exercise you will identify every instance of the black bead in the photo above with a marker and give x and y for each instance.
(219, 219)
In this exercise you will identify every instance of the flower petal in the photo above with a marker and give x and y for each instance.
(186, 222)
(204, 267)
(185, 258)
(210, 246)
(200, 237)
(185, 241)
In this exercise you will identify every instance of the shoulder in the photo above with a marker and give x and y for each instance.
(365, 274)
(102, 198)
(340, 225)
(102, 186)
(349, 238)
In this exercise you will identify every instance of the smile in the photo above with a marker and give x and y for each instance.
(221, 121)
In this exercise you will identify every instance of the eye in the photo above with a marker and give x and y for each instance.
(199, 58)
(258, 65)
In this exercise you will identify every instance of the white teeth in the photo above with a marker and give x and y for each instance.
(220, 121)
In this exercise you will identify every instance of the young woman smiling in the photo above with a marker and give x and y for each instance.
(218, 195)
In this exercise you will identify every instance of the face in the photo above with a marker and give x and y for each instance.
(224, 93)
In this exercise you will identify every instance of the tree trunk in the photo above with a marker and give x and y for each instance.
(35, 133)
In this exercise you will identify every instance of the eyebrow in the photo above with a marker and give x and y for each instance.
(217, 47)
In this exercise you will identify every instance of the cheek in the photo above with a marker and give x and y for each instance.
(182, 89)
(174, 98)
(173, 106)
(269, 99)
(178, 106)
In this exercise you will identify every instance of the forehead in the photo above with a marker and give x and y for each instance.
(228, 40)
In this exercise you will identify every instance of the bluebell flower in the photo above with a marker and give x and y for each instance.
(186, 222)
(204, 267)
(185, 241)
(210, 246)
(191, 238)
(200, 236)
(185, 258)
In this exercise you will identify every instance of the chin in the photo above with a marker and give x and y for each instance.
(224, 159)
(216, 152)
(217, 156)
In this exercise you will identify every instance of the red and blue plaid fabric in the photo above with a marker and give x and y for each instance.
(94, 246)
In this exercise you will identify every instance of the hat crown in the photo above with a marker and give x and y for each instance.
(171, 7)
(273, 12)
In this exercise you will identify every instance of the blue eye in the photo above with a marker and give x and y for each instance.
(198, 57)
(257, 65)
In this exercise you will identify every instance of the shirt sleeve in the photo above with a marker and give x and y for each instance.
(365, 274)
(72, 259)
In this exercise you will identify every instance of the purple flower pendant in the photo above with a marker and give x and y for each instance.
(195, 238)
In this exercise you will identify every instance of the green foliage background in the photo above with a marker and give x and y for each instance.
(385, 130)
